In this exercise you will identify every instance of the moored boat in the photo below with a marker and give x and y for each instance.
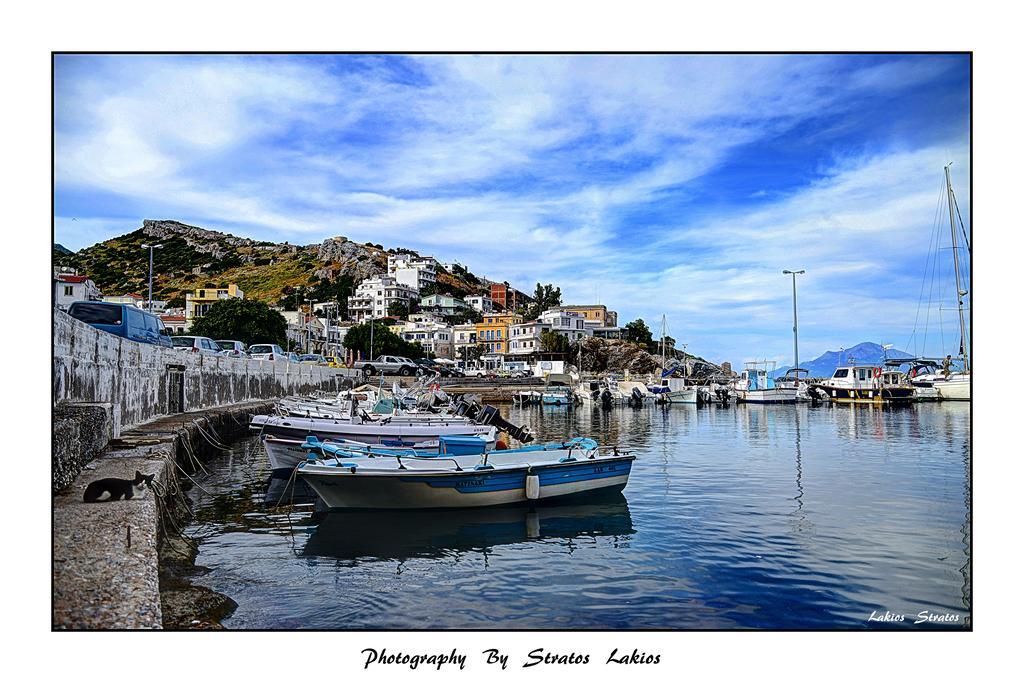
(530, 473)
(757, 386)
(865, 384)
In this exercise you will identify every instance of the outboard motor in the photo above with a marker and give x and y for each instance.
(489, 415)
(606, 399)
(638, 398)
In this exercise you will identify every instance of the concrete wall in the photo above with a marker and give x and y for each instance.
(92, 366)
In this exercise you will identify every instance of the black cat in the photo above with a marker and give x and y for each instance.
(117, 488)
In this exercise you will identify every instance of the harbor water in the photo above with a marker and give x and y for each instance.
(782, 517)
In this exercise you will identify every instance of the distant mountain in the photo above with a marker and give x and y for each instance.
(60, 249)
(865, 352)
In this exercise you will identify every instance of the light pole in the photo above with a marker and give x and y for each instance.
(309, 340)
(796, 348)
(151, 247)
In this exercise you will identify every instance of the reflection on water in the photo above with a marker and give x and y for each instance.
(746, 516)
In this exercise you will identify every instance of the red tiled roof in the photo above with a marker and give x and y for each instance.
(71, 278)
(173, 318)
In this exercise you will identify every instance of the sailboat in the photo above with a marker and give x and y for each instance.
(671, 389)
(950, 384)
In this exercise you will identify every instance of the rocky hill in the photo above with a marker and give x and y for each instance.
(194, 257)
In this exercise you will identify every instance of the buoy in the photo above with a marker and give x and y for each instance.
(500, 445)
(532, 487)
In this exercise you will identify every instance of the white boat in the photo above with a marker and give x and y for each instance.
(796, 378)
(756, 385)
(865, 384)
(636, 393)
(675, 390)
(285, 454)
(531, 473)
(396, 430)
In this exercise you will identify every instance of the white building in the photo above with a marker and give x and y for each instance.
(481, 302)
(433, 337)
(525, 338)
(464, 337)
(375, 295)
(569, 324)
(69, 286)
(412, 270)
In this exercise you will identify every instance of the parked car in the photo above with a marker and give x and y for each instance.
(203, 345)
(293, 357)
(312, 359)
(124, 320)
(230, 347)
(267, 352)
(334, 362)
(390, 365)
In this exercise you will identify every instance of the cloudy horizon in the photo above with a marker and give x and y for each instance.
(676, 185)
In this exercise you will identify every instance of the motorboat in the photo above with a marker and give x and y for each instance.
(865, 384)
(558, 390)
(284, 454)
(636, 393)
(931, 381)
(675, 390)
(756, 385)
(796, 378)
(345, 479)
(526, 397)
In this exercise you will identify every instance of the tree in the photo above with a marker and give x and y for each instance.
(544, 297)
(384, 341)
(638, 333)
(553, 342)
(246, 320)
(398, 309)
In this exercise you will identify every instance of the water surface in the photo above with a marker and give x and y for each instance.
(738, 517)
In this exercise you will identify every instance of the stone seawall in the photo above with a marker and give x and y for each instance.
(144, 381)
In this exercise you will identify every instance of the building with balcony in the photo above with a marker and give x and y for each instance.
(569, 324)
(413, 270)
(463, 339)
(598, 313)
(199, 301)
(444, 305)
(436, 339)
(374, 296)
(69, 286)
(481, 303)
(492, 332)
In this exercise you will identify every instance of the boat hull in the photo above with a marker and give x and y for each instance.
(872, 396)
(393, 434)
(954, 390)
(776, 395)
(346, 489)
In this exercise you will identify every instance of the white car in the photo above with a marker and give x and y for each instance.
(203, 345)
(267, 352)
(230, 347)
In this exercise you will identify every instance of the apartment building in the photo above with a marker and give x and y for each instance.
(374, 295)
(413, 270)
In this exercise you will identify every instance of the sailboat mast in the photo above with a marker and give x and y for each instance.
(956, 269)
(663, 360)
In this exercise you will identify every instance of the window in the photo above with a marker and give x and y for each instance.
(841, 372)
(69, 290)
(97, 314)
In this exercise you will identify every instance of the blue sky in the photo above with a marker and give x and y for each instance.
(675, 185)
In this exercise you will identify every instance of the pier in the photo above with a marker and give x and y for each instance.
(121, 406)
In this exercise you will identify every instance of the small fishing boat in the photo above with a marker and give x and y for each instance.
(865, 384)
(526, 397)
(756, 385)
(285, 454)
(541, 472)
(396, 429)
(796, 378)
(557, 390)
(637, 394)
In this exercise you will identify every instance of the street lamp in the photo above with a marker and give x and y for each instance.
(796, 348)
(309, 340)
(151, 247)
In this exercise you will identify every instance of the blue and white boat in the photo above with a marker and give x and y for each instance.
(558, 390)
(345, 478)
(285, 454)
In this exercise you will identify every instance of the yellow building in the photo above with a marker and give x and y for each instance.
(198, 302)
(595, 313)
(493, 331)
